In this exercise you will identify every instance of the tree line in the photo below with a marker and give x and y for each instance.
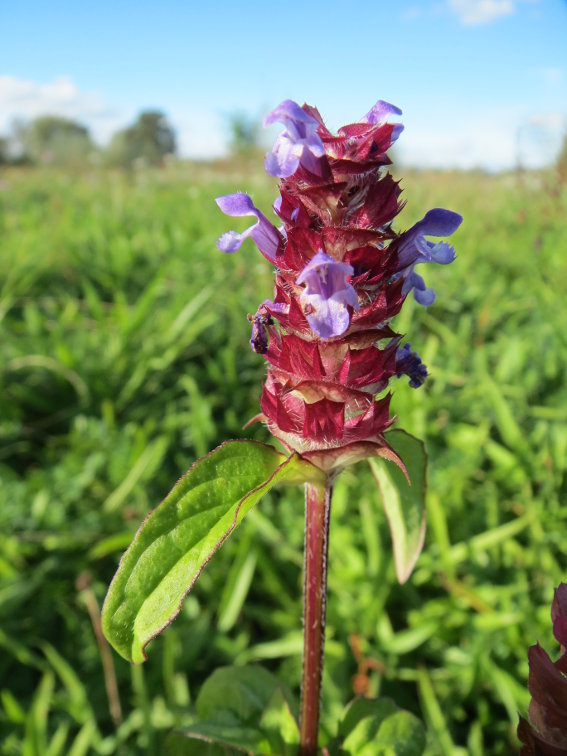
(55, 140)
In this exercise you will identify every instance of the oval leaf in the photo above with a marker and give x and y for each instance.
(404, 502)
(179, 537)
(243, 710)
(376, 727)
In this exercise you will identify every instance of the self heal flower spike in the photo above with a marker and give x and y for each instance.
(342, 272)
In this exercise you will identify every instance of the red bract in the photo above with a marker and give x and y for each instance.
(339, 281)
(546, 733)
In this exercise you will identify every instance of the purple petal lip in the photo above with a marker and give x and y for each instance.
(284, 159)
(236, 204)
(264, 233)
(230, 241)
(441, 253)
(379, 112)
(321, 261)
(289, 113)
(421, 293)
(436, 222)
(396, 131)
(327, 294)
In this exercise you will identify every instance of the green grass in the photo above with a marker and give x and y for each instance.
(125, 356)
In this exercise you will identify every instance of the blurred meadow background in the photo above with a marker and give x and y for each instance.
(125, 356)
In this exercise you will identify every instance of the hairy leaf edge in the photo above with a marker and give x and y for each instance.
(285, 463)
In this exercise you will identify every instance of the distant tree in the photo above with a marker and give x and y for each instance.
(55, 140)
(150, 139)
(561, 164)
(244, 133)
(3, 151)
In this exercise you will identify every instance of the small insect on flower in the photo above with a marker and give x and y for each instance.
(259, 339)
(342, 272)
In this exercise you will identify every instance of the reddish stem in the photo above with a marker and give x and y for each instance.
(317, 515)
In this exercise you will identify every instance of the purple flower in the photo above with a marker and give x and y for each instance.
(409, 363)
(326, 295)
(299, 143)
(378, 114)
(414, 248)
(264, 233)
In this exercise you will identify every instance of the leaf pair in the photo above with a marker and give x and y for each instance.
(247, 710)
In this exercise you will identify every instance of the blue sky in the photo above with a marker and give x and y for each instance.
(481, 82)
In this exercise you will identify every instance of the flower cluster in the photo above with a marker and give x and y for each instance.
(342, 273)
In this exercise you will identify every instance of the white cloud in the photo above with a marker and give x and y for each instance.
(476, 12)
(61, 96)
(23, 99)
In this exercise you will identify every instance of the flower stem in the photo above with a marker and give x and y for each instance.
(317, 516)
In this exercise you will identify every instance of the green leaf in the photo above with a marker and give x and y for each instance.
(376, 727)
(280, 724)
(180, 536)
(241, 710)
(404, 502)
(240, 691)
